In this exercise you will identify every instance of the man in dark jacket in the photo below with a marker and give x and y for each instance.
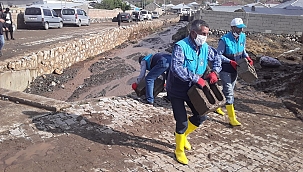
(137, 16)
(119, 19)
(9, 24)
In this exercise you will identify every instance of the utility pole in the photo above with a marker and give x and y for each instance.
(164, 6)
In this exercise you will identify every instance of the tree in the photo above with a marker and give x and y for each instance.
(124, 7)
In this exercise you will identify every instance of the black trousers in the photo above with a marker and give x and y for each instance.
(10, 30)
(180, 114)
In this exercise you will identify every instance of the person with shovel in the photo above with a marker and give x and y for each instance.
(232, 48)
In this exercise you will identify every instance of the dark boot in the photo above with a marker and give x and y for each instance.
(12, 37)
(6, 34)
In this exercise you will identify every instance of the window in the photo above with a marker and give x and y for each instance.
(68, 12)
(33, 11)
(84, 13)
(47, 12)
(54, 13)
(79, 12)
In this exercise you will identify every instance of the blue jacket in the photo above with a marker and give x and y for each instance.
(148, 60)
(196, 64)
(152, 60)
(232, 49)
(181, 78)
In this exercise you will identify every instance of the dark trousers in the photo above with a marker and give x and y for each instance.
(10, 30)
(180, 114)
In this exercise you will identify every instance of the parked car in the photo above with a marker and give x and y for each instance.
(155, 15)
(184, 11)
(44, 17)
(125, 17)
(140, 16)
(146, 15)
(75, 16)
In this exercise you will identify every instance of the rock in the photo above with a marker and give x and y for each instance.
(53, 83)
(83, 122)
(58, 71)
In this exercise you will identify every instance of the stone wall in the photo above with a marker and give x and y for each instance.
(263, 23)
(17, 73)
(101, 13)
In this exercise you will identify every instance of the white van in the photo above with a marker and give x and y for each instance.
(146, 15)
(75, 16)
(140, 16)
(155, 15)
(35, 16)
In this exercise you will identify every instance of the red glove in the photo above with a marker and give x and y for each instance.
(134, 86)
(234, 64)
(201, 83)
(213, 78)
(250, 61)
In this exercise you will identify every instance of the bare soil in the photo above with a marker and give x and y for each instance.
(110, 140)
(111, 73)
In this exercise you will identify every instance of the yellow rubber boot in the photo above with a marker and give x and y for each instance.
(190, 128)
(219, 111)
(232, 116)
(179, 152)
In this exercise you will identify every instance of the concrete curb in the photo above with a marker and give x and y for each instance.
(33, 100)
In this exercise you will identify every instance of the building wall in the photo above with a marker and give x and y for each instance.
(263, 23)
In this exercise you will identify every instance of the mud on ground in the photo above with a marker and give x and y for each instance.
(110, 73)
(284, 82)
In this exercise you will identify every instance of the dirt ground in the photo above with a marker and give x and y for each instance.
(99, 76)
(104, 133)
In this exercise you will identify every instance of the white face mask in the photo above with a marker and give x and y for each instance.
(200, 40)
(236, 34)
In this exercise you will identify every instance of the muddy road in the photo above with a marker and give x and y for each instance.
(108, 74)
(113, 72)
(121, 134)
